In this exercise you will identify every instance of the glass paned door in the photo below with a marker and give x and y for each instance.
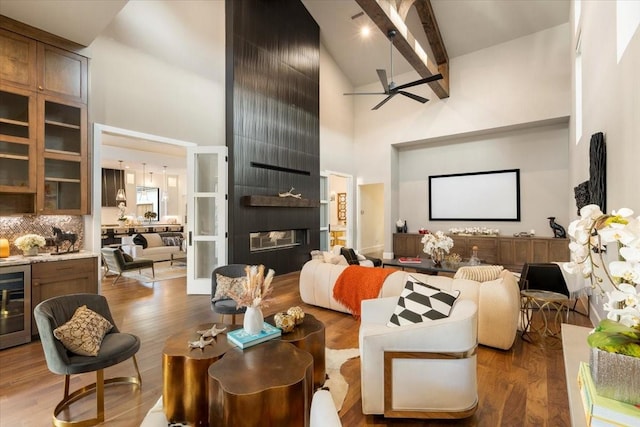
(206, 215)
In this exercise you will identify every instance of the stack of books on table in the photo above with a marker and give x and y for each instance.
(243, 339)
(602, 411)
(410, 260)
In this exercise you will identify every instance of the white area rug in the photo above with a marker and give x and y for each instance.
(336, 385)
(163, 270)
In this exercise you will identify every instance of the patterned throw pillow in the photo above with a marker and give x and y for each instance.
(226, 284)
(479, 273)
(317, 255)
(83, 334)
(420, 302)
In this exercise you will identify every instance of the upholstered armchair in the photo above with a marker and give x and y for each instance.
(114, 348)
(118, 262)
(423, 370)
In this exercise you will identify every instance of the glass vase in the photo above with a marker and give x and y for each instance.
(30, 252)
(253, 320)
(437, 257)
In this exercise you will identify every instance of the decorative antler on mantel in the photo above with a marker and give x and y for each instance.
(290, 194)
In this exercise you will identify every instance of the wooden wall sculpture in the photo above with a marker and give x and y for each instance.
(272, 125)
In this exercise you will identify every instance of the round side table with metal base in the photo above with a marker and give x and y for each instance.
(545, 302)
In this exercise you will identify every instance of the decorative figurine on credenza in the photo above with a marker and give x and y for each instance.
(558, 230)
(61, 237)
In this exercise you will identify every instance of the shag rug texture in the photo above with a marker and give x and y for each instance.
(335, 383)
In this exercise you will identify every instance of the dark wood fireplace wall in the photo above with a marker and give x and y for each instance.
(272, 114)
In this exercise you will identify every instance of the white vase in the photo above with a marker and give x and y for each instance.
(253, 320)
(31, 251)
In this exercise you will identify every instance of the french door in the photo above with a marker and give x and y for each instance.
(206, 215)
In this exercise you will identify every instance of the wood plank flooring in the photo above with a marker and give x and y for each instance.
(524, 386)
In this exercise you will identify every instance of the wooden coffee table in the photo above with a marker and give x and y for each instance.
(308, 336)
(269, 384)
(184, 370)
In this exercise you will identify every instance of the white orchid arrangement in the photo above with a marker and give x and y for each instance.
(28, 241)
(436, 242)
(620, 332)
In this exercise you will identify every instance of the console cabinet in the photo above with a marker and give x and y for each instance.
(54, 278)
(44, 166)
(511, 252)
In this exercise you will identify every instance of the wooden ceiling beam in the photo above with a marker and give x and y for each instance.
(388, 15)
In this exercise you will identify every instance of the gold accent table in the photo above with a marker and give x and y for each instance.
(544, 302)
(184, 370)
(269, 384)
(308, 336)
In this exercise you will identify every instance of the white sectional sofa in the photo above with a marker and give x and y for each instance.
(157, 248)
(498, 300)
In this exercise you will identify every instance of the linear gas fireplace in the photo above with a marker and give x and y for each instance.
(276, 240)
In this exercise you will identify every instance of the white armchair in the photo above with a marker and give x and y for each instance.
(425, 370)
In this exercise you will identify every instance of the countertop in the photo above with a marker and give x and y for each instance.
(43, 257)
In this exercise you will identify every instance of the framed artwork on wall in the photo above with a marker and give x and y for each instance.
(342, 206)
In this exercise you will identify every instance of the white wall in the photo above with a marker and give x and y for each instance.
(146, 72)
(541, 154)
(522, 81)
(610, 104)
(371, 218)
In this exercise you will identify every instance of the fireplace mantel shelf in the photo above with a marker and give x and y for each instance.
(276, 201)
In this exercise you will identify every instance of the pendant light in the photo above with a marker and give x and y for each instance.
(143, 189)
(121, 196)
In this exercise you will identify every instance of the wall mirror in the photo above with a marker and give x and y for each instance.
(147, 200)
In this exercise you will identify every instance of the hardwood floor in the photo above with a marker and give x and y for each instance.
(524, 386)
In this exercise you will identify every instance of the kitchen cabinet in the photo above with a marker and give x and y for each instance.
(53, 278)
(44, 166)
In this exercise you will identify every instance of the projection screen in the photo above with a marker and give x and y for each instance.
(476, 196)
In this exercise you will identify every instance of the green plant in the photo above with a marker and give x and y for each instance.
(150, 215)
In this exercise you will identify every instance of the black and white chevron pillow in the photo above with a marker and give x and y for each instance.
(420, 302)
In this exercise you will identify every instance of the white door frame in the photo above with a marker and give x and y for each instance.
(351, 201)
(92, 222)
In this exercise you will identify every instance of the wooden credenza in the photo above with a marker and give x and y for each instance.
(511, 252)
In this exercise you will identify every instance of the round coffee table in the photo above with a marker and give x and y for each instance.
(269, 384)
(308, 336)
(184, 370)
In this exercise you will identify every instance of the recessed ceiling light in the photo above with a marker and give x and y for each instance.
(365, 31)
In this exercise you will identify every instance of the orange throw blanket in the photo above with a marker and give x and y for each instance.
(356, 283)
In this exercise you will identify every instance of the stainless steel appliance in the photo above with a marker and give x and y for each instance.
(15, 305)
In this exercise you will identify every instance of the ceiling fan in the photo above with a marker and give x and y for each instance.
(390, 88)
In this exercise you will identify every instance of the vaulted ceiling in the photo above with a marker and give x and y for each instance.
(465, 25)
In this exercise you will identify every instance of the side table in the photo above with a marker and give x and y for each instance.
(184, 371)
(310, 337)
(268, 385)
(544, 302)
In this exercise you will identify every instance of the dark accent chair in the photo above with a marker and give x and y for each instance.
(351, 257)
(116, 347)
(227, 306)
(115, 262)
(543, 277)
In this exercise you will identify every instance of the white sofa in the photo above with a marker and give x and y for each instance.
(498, 300)
(156, 249)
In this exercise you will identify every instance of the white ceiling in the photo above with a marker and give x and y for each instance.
(466, 26)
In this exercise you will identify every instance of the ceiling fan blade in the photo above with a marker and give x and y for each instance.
(419, 82)
(382, 75)
(412, 96)
(366, 93)
(384, 101)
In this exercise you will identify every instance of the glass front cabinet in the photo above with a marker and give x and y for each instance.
(43, 128)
